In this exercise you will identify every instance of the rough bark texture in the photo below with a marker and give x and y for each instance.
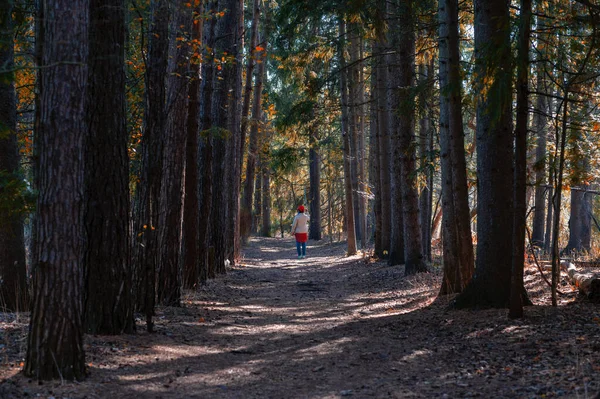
(383, 119)
(13, 273)
(251, 163)
(425, 161)
(145, 233)
(413, 251)
(55, 342)
(191, 211)
(374, 161)
(265, 211)
(171, 195)
(354, 124)
(314, 168)
(491, 282)
(520, 182)
(349, 208)
(109, 300)
(539, 124)
(580, 221)
(222, 136)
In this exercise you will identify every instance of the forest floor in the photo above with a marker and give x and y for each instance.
(330, 326)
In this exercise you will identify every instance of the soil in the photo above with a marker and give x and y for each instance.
(331, 326)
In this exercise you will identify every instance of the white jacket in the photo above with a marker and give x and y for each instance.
(300, 224)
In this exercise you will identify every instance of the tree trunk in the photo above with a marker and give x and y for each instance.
(170, 218)
(374, 159)
(14, 295)
(55, 342)
(246, 207)
(205, 151)
(266, 186)
(425, 163)
(351, 244)
(354, 123)
(248, 85)
(145, 233)
(580, 222)
(222, 135)
(539, 123)
(491, 283)
(520, 178)
(314, 168)
(191, 211)
(108, 302)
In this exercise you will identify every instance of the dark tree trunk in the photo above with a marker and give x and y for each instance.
(349, 208)
(248, 85)
(383, 124)
(374, 160)
(580, 221)
(13, 270)
(314, 165)
(426, 162)
(171, 199)
(354, 125)
(266, 200)
(145, 233)
(55, 342)
(549, 207)
(222, 135)
(458, 247)
(405, 144)
(246, 207)
(256, 214)
(520, 183)
(108, 301)
(191, 211)
(398, 111)
(491, 283)
(206, 267)
(539, 123)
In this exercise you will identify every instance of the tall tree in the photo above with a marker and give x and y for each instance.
(255, 122)
(148, 192)
(349, 208)
(222, 136)
(13, 287)
(170, 218)
(490, 285)
(458, 249)
(55, 341)
(191, 211)
(314, 166)
(246, 205)
(404, 144)
(520, 162)
(109, 301)
(425, 153)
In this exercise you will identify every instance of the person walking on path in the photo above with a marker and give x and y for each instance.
(300, 231)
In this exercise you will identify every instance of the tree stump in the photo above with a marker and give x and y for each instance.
(588, 283)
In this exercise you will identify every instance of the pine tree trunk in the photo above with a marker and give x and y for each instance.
(424, 155)
(354, 123)
(374, 160)
(520, 161)
(205, 149)
(580, 221)
(349, 208)
(458, 249)
(109, 301)
(246, 207)
(266, 187)
(383, 119)
(491, 283)
(146, 221)
(540, 122)
(14, 295)
(222, 135)
(55, 342)
(314, 168)
(191, 211)
(170, 218)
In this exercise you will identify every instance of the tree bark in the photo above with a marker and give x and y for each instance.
(520, 161)
(191, 211)
(246, 207)
(374, 159)
(109, 301)
(425, 162)
(354, 125)
(14, 295)
(351, 243)
(55, 341)
(146, 235)
(490, 286)
(539, 123)
(170, 218)
(580, 222)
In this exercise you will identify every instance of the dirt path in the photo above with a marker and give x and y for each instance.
(329, 326)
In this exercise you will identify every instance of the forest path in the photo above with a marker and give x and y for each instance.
(331, 326)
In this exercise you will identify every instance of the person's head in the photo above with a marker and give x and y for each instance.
(301, 209)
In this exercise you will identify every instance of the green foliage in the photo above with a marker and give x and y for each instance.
(15, 196)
